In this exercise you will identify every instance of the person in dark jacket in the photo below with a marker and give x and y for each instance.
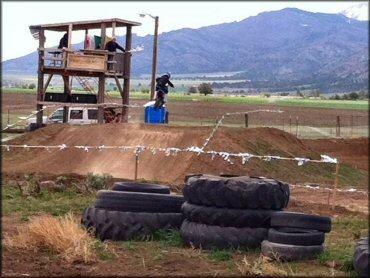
(112, 46)
(63, 41)
(162, 83)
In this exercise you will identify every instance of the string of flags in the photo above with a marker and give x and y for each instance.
(137, 150)
(350, 190)
(245, 157)
(22, 119)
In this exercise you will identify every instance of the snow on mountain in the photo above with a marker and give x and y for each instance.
(359, 11)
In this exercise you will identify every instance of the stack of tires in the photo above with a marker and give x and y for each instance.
(223, 212)
(361, 257)
(295, 236)
(133, 210)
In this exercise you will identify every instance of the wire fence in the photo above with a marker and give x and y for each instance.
(303, 123)
(303, 126)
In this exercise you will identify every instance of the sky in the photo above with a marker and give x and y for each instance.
(17, 16)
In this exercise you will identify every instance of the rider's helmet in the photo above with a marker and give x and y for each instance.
(168, 74)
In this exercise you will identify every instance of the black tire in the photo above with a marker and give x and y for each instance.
(118, 225)
(208, 236)
(138, 201)
(187, 176)
(295, 236)
(301, 220)
(288, 252)
(140, 187)
(236, 192)
(224, 217)
(361, 257)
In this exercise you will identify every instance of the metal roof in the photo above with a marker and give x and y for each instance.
(83, 25)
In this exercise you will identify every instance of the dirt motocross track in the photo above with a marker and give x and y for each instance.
(172, 169)
(353, 154)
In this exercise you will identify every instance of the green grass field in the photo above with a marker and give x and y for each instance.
(250, 100)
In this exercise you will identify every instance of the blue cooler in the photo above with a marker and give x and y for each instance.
(155, 117)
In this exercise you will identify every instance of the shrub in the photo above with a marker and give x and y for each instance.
(61, 183)
(32, 86)
(193, 90)
(63, 237)
(98, 182)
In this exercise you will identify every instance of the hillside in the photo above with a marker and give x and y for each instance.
(280, 49)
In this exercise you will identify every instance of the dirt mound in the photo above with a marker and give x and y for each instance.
(159, 166)
(353, 151)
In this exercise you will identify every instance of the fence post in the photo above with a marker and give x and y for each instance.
(136, 165)
(8, 118)
(338, 127)
(246, 119)
(336, 183)
(297, 125)
(351, 130)
(290, 124)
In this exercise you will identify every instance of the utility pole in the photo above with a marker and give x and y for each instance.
(155, 47)
(154, 66)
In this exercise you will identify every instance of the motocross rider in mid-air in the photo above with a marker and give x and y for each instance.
(161, 89)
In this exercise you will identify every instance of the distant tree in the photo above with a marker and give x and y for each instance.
(336, 97)
(317, 93)
(32, 86)
(145, 91)
(24, 86)
(192, 90)
(353, 96)
(362, 95)
(205, 88)
(299, 93)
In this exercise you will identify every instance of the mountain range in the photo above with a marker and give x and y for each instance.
(284, 49)
(359, 11)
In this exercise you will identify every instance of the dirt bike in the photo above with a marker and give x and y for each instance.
(159, 99)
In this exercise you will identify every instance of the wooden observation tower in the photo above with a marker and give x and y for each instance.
(84, 63)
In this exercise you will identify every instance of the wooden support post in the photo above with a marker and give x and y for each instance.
(47, 83)
(136, 165)
(69, 35)
(338, 127)
(335, 184)
(101, 93)
(113, 28)
(126, 78)
(119, 86)
(290, 124)
(67, 91)
(103, 34)
(246, 119)
(297, 126)
(40, 78)
(8, 122)
(86, 32)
